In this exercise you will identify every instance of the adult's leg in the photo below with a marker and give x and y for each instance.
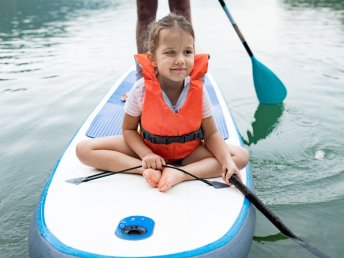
(146, 13)
(181, 7)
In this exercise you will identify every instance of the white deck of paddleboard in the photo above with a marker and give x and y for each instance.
(191, 217)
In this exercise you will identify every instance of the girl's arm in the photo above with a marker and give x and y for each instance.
(218, 147)
(135, 142)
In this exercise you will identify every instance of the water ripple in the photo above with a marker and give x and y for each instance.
(290, 179)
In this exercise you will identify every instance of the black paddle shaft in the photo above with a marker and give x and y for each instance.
(236, 28)
(274, 218)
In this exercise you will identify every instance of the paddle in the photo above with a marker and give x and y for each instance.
(266, 118)
(269, 88)
(80, 180)
(274, 218)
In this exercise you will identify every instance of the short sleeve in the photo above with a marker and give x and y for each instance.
(133, 105)
(207, 107)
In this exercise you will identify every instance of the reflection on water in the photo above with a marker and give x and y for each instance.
(270, 238)
(266, 119)
(29, 31)
(19, 18)
(333, 4)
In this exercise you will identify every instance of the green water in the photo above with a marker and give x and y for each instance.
(58, 59)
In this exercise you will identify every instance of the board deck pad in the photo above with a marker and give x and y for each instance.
(108, 121)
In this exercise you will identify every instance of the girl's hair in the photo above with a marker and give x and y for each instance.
(168, 22)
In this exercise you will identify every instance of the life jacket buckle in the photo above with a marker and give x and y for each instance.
(164, 140)
(184, 138)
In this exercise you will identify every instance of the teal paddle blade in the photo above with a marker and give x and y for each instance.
(269, 88)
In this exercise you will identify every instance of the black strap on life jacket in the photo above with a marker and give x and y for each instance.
(158, 139)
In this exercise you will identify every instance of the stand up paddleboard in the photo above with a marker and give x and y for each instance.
(122, 216)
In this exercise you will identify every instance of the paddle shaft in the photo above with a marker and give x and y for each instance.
(274, 218)
(108, 173)
(236, 28)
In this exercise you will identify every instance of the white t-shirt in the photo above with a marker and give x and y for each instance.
(134, 103)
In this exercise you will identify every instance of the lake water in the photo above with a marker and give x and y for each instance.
(58, 59)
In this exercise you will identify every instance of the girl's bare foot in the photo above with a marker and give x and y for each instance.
(169, 178)
(152, 176)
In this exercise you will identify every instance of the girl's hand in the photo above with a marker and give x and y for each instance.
(228, 169)
(153, 161)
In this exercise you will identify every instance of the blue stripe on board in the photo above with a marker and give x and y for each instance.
(218, 114)
(108, 121)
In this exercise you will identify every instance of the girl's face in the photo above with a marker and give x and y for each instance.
(174, 55)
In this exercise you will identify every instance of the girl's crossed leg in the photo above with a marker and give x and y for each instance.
(113, 154)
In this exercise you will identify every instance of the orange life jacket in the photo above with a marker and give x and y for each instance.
(172, 135)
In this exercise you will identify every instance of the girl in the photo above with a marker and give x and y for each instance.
(174, 113)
